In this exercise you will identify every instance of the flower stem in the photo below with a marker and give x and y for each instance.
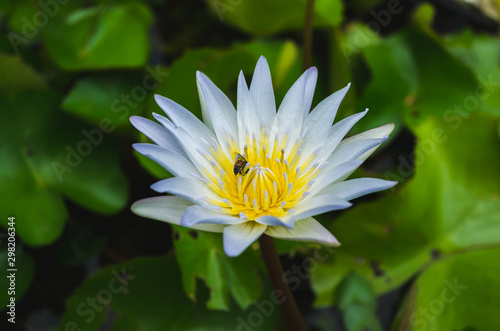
(275, 271)
(308, 30)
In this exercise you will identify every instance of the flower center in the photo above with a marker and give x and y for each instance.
(274, 183)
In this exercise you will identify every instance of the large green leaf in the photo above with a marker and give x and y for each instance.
(357, 302)
(413, 76)
(481, 53)
(17, 76)
(112, 97)
(46, 153)
(443, 81)
(259, 17)
(109, 35)
(459, 293)
(394, 81)
(200, 255)
(147, 294)
(450, 206)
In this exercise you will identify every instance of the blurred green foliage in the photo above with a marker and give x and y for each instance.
(73, 72)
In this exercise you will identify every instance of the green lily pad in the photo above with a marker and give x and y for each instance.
(394, 82)
(146, 293)
(480, 53)
(258, 17)
(357, 301)
(459, 293)
(47, 154)
(114, 97)
(110, 35)
(451, 205)
(200, 255)
(17, 76)
(413, 77)
(438, 71)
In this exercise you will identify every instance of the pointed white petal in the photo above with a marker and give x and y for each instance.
(318, 205)
(261, 89)
(352, 151)
(198, 214)
(175, 163)
(221, 112)
(333, 137)
(311, 80)
(156, 133)
(320, 120)
(167, 124)
(354, 188)
(180, 116)
(247, 113)
(276, 221)
(308, 230)
(328, 176)
(374, 133)
(189, 189)
(296, 102)
(169, 209)
(380, 132)
(238, 237)
(193, 147)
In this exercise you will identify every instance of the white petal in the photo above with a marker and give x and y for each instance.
(380, 132)
(189, 189)
(169, 209)
(308, 230)
(165, 122)
(352, 151)
(261, 89)
(193, 147)
(311, 79)
(221, 112)
(296, 102)
(333, 137)
(354, 188)
(175, 163)
(180, 116)
(247, 114)
(276, 221)
(318, 205)
(156, 133)
(320, 120)
(239, 236)
(331, 175)
(198, 214)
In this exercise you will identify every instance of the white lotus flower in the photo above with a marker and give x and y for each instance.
(297, 162)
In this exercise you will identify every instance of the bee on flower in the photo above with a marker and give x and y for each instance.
(252, 170)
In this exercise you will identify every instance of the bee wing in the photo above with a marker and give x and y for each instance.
(237, 157)
(246, 167)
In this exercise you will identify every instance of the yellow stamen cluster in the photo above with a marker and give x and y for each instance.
(273, 184)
